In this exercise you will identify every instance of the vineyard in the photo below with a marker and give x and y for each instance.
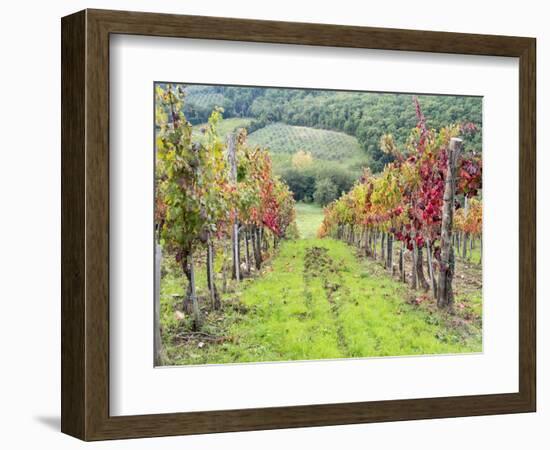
(282, 138)
(205, 97)
(211, 192)
(413, 201)
(252, 266)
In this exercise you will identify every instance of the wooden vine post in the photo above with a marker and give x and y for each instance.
(232, 159)
(214, 296)
(189, 261)
(465, 234)
(157, 337)
(421, 279)
(247, 250)
(389, 253)
(433, 282)
(402, 263)
(256, 247)
(446, 263)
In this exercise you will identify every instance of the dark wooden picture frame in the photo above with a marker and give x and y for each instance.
(85, 224)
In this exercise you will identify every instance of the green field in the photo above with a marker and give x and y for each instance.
(308, 219)
(225, 127)
(286, 139)
(327, 147)
(314, 300)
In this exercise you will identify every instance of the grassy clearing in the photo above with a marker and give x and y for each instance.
(317, 300)
(225, 127)
(308, 219)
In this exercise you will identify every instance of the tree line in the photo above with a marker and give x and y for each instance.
(365, 115)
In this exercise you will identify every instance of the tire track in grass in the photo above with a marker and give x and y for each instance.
(322, 328)
(318, 264)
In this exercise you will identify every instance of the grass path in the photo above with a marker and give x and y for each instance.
(320, 301)
(317, 300)
(308, 219)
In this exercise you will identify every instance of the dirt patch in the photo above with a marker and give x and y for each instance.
(318, 263)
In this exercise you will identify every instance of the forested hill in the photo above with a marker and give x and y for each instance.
(364, 115)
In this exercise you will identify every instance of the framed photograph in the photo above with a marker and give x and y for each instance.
(272, 225)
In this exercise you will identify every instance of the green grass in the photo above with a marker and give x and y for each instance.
(323, 144)
(225, 127)
(317, 300)
(308, 219)
(474, 255)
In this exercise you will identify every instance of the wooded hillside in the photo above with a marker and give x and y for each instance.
(364, 115)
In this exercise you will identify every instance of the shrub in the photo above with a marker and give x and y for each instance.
(325, 192)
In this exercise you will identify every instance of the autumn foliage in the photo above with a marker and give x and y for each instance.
(405, 200)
